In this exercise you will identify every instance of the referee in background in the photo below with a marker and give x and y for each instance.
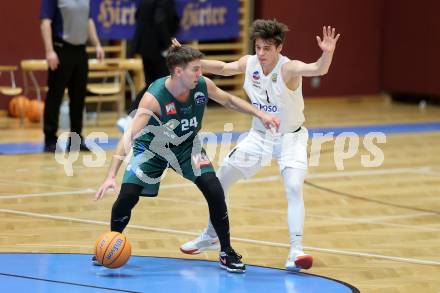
(66, 25)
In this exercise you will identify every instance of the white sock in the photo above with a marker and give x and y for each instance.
(293, 185)
(227, 175)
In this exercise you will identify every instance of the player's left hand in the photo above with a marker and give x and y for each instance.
(270, 121)
(109, 183)
(328, 42)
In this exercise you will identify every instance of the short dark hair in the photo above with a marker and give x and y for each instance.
(271, 31)
(181, 56)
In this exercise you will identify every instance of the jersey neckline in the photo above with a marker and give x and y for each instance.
(188, 102)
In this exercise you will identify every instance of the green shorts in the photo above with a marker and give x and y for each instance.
(146, 168)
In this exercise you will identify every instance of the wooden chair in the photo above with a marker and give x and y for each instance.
(116, 52)
(29, 67)
(106, 83)
(9, 90)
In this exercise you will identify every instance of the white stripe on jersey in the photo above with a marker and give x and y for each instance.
(269, 93)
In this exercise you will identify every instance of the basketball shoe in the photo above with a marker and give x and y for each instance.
(95, 261)
(231, 261)
(202, 243)
(123, 123)
(75, 148)
(298, 260)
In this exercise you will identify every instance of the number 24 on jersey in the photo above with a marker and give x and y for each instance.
(186, 124)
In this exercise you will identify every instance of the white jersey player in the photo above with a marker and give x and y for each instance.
(273, 83)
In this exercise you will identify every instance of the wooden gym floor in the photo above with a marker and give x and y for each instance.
(375, 228)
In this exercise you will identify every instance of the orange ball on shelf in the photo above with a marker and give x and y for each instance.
(35, 110)
(18, 106)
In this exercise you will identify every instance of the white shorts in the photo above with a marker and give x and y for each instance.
(259, 149)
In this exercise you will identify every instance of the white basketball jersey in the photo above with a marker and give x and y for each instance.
(269, 93)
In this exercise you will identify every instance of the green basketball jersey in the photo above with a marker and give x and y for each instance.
(177, 119)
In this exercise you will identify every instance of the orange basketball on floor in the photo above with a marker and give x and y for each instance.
(18, 106)
(112, 250)
(35, 110)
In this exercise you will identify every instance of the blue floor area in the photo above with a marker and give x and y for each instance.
(27, 272)
(388, 129)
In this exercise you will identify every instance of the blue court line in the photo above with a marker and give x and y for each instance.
(388, 129)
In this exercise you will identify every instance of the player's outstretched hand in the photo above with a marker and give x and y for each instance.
(328, 42)
(107, 184)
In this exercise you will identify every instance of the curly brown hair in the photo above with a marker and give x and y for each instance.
(271, 31)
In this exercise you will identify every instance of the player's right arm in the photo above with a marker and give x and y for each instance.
(147, 107)
(223, 68)
(220, 67)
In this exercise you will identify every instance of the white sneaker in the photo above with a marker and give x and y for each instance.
(202, 243)
(123, 122)
(298, 260)
(95, 261)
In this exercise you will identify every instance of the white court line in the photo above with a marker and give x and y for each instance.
(399, 217)
(423, 170)
(58, 193)
(50, 245)
(433, 173)
(352, 220)
(162, 186)
(375, 221)
(343, 252)
(267, 243)
(10, 182)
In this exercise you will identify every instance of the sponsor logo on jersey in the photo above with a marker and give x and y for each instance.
(256, 84)
(170, 108)
(256, 79)
(274, 77)
(200, 98)
(186, 110)
(256, 75)
(266, 108)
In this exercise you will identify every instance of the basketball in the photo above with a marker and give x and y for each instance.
(112, 250)
(18, 106)
(34, 110)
